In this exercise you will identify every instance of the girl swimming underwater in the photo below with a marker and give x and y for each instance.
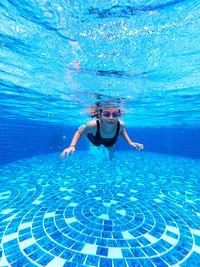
(103, 131)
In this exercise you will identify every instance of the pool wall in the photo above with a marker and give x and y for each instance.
(25, 139)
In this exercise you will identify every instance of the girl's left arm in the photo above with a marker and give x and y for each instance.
(126, 137)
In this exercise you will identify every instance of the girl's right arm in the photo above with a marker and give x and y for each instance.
(82, 130)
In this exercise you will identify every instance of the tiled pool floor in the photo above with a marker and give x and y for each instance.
(141, 209)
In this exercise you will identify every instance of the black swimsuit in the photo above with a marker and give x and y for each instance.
(97, 140)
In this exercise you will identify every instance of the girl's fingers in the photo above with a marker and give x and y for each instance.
(66, 153)
(141, 147)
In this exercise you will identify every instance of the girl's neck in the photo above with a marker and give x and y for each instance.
(106, 128)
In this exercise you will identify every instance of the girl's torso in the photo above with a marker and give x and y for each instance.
(99, 136)
(105, 134)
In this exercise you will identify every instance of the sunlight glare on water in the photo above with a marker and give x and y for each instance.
(60, 57)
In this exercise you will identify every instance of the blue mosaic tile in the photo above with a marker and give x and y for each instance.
(108, 228)
(133, 243)
(61, 224)
(31, 249)
(106, 235)
(159, 262)
(65, 230)
(87, 231)
(164, 244)
(25, 231)
(182, 250)
(67, 254)
(57, 250)
(11, 250)
(137, 252)
(44, 260)
(146, 263)
(117, 235)
(119, 263)
(185, 244)
(92, 260)
(101, 242)
(11, 230)
(45, 244)
(149, 251)
(135, 233)
(108, 222)
(112, 243)
(142, 230)
(69, 264)
(21, 262)
(160, 249)
(127, 253)
(122, 243)
(79, 258)
(90, 240)
(25, 237)
(176, 254)
(142, 240)
(169, 259)
(37, 233)
(36, 255)
(96, 233)
(105, 262)
(13, 257)
(73, 234)
(172, 234)
(133, 262)
(77, 246)
(88, 221)
(197, 240)
(10, 243)
(101, 251)
(193, 260)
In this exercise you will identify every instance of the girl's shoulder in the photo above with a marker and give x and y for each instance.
(88, 128)
(92, 124)
(92, 127)
(122, 125)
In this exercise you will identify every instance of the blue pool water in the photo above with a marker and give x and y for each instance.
(58, 58)
(142, 209)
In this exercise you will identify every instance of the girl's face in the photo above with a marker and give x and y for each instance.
(110, 116)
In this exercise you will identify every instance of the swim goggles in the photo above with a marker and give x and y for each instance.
(107, 114)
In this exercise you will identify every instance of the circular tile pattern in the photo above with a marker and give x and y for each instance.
(129, 216)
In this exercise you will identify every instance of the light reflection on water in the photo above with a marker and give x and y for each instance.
(59, 57)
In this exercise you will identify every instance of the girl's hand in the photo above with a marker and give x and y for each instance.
(67, 151)
(137, 146)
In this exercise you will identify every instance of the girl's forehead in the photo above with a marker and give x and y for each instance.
(110, 109)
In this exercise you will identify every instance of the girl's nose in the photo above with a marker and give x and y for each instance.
(111, 116)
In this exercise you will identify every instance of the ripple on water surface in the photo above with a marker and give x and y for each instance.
(141, 209)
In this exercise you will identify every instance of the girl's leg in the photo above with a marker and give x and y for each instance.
(111, 152)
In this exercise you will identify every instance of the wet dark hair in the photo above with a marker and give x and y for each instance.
(95, 111)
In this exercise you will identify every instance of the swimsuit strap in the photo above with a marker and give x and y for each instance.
(98, 129)
(117, 131)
